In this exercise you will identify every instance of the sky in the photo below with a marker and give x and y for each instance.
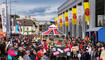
(39, 9)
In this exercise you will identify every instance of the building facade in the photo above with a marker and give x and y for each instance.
(25, 26)
(97, 17)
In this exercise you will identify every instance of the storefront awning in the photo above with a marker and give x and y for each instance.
(94, 29)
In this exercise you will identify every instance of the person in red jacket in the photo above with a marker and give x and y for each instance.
(39, 54)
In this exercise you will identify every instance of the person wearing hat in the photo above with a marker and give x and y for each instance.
(26, 57)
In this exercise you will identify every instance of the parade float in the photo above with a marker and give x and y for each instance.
(57, 41)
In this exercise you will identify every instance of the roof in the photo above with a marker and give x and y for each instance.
(94, 29)
(26, 21)
(53, 30)
(67, 5)
(52, 25)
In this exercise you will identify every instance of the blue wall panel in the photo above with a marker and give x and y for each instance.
(101, 35)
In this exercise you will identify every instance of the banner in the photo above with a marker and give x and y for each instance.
(56, 21)
(87, 12)
(56, 53)
(60, 20)
(80, 11)
(67, 49)
(70, 17)
(61, 51)
(66, 18)
(17, 29)
(74, 16)
(8, 23)
(3, 16)
(12, 26)
(63, 20)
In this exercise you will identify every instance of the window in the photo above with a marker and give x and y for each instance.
(100, 13)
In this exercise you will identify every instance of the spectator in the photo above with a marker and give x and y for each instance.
(33, 55)
(45, 57)
(27, 57)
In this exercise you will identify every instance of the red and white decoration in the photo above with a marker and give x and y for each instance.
(52, 30)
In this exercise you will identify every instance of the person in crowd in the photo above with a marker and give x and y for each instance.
(79, 56)
(98, 54)
(33, 55)
(28, 48)
(20, 52)
(102, 57)
(45, 57)
(26, 56)
(87, 55)
(20, 57)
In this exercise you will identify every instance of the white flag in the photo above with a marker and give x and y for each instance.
(80, 11)
(70, 17)
(3, 16)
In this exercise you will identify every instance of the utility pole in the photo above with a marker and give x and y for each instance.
(10, 20)
(6, 18)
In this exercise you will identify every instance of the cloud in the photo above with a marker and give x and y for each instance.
(34, 11)
(39, 9)
(39, 12)
(44, 17)
(51, 9)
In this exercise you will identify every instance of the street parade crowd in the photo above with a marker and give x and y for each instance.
(34, 48)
